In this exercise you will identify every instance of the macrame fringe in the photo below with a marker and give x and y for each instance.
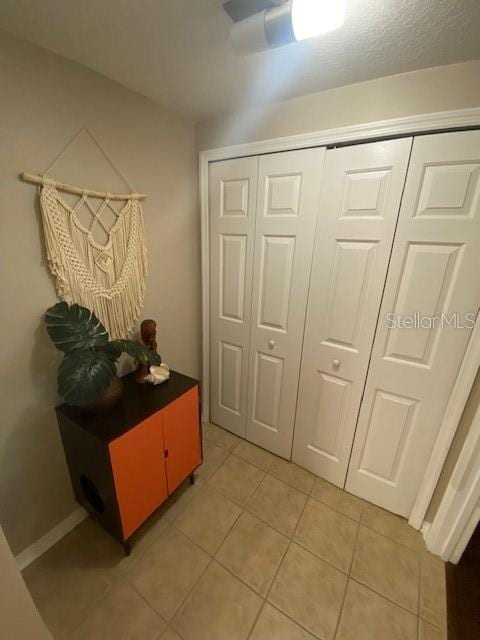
(108, 279)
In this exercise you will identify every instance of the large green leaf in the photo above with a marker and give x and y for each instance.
(84, 375)
(74, 327)
(135, 350)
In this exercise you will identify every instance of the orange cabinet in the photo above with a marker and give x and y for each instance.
(123, 464)
(180, 436)
(139, 474)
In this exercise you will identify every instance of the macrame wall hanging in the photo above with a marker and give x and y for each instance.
(109, 277)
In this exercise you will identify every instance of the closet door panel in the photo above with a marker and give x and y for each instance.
(434, 270)
(232, 192)
(361, 193)
(287, 204)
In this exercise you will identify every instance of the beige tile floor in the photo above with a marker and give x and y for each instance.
(259, 548)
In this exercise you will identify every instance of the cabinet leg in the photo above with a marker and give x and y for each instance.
(127, 548)
(192, 478)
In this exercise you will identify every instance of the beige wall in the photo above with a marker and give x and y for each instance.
(439, 89)
(45, 101)
(19, 618)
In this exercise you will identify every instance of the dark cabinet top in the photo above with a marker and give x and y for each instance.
(138, 402)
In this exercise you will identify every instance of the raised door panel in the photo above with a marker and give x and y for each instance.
(232, 193)
(276, 269)
(425, 286)
(232, 277)
(352, 271)
(267, 386)
(432, 296)
(287, 204)
(181, 433)
(448, 190)
(362, 189)
(282, 195)
(331, 411)
(234, 197)
(229, 391)
(138, 467)
(385, 447)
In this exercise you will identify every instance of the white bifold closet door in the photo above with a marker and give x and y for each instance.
(435, 269)
(287, 206)
(232, 195)
(361, 193)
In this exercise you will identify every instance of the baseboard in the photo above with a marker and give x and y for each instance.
(425, 527)
(35, 550)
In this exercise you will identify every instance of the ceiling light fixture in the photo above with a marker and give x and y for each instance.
(266, 24)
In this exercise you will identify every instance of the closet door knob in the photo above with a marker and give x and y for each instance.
(271, 344)
(336, 365)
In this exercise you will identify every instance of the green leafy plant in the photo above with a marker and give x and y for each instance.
(88, 365)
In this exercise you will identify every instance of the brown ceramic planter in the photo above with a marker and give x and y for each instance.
(109, 397)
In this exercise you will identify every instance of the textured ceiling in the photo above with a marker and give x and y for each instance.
(177, 51)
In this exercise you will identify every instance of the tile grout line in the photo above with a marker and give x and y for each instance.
(228, 570)
(117, 576)
(309, 493)
(292, 536)
(229, 448)
(315, 555)
(359, 523)
(91, 609)
(262, 597)
(219, 490)
(360, 520)
(305, 493)
(326, 504)
(243, 509)
(116, 579)
(231, 451)
(329, 506)
(418, 556)
(168, 621)
(290, 541)
(401, 544)
(383, 596)
(211, 557)
(189, 591)
(349, 576)
(249, 461)
(265, 597)
(150, 606)
(171, 524)
(419, 600)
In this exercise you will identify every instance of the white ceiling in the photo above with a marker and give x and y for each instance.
(177, 52)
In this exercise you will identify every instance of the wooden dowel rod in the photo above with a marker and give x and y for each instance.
(68, 188)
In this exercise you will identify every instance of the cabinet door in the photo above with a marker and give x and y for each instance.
(433, 285)
(232, 192)
(362, 188)
(138, 466)
(287, 205)
(181, 433)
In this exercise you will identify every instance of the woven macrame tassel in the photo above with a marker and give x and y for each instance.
(109, 279)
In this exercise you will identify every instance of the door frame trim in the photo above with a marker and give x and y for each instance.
(459, 511)
(456, 405)
(412, 125)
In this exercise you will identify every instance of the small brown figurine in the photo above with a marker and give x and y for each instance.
(148, 337)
